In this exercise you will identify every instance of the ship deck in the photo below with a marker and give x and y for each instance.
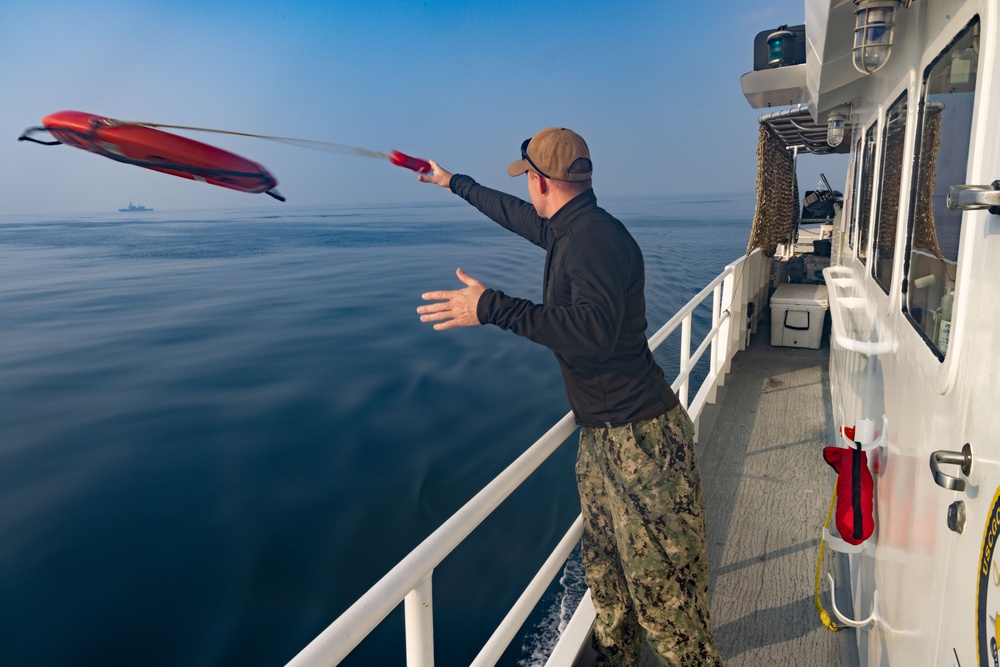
(767, 494)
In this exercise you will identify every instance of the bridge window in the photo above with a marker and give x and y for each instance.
(947, 97)
(884, 241)
(866, 183)
(854, 178)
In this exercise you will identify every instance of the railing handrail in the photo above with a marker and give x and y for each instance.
(340, 637)
(664, 332)
(411, 576)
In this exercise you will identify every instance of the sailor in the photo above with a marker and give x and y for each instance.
(640, 490)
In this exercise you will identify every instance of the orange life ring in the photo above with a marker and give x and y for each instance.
(160, 151)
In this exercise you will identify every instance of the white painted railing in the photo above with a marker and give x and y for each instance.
(742, 282)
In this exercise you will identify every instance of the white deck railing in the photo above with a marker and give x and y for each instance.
(742, 282)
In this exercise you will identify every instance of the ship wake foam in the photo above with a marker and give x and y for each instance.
(562, 599)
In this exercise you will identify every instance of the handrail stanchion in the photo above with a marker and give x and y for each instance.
(419, 614)
(685, 360)
(763, 281)
(730, 327)
(716, 349)
(736, 298)
(750, 277)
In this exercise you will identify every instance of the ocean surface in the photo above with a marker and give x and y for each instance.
(219, 428)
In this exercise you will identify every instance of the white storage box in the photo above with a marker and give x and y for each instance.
(797, 314)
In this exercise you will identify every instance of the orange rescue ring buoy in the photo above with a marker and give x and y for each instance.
(158, 150)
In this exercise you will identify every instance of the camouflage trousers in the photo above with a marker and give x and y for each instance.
(644, 541)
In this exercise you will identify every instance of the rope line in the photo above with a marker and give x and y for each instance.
(26, 136)
(303, 143)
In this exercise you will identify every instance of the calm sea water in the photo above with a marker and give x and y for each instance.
(220, 428)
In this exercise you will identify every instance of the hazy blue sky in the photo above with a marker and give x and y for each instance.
(652, 85)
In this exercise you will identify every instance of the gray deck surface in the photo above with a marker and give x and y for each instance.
(767, 493)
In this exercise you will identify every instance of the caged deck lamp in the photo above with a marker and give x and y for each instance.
(873, 30)
(835, 129)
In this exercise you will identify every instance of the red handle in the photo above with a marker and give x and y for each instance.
(414, 163)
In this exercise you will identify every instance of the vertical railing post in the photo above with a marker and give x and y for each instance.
(715, 348)
(419, 612)
(762, 285)
(751, 274)
(731, 327)
(685, 360)
(738, 296)
(754, 272)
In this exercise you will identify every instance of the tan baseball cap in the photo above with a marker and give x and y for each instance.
(557, 153)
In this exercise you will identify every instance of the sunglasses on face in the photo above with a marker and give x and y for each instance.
(524, 156)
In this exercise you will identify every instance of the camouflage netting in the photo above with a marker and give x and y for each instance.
(891, 185)
(777, 215)
(924, 230)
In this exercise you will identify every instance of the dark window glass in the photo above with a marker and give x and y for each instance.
(856, 166)
(865, 192)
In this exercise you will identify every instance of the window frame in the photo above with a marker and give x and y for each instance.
(925, 75)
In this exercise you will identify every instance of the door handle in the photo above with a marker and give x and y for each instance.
(944, 457)
(974, 197)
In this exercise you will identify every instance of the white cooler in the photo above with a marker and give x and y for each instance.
(797, 314)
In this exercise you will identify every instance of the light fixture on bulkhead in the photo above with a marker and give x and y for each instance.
(835, 123)
(873, 31)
